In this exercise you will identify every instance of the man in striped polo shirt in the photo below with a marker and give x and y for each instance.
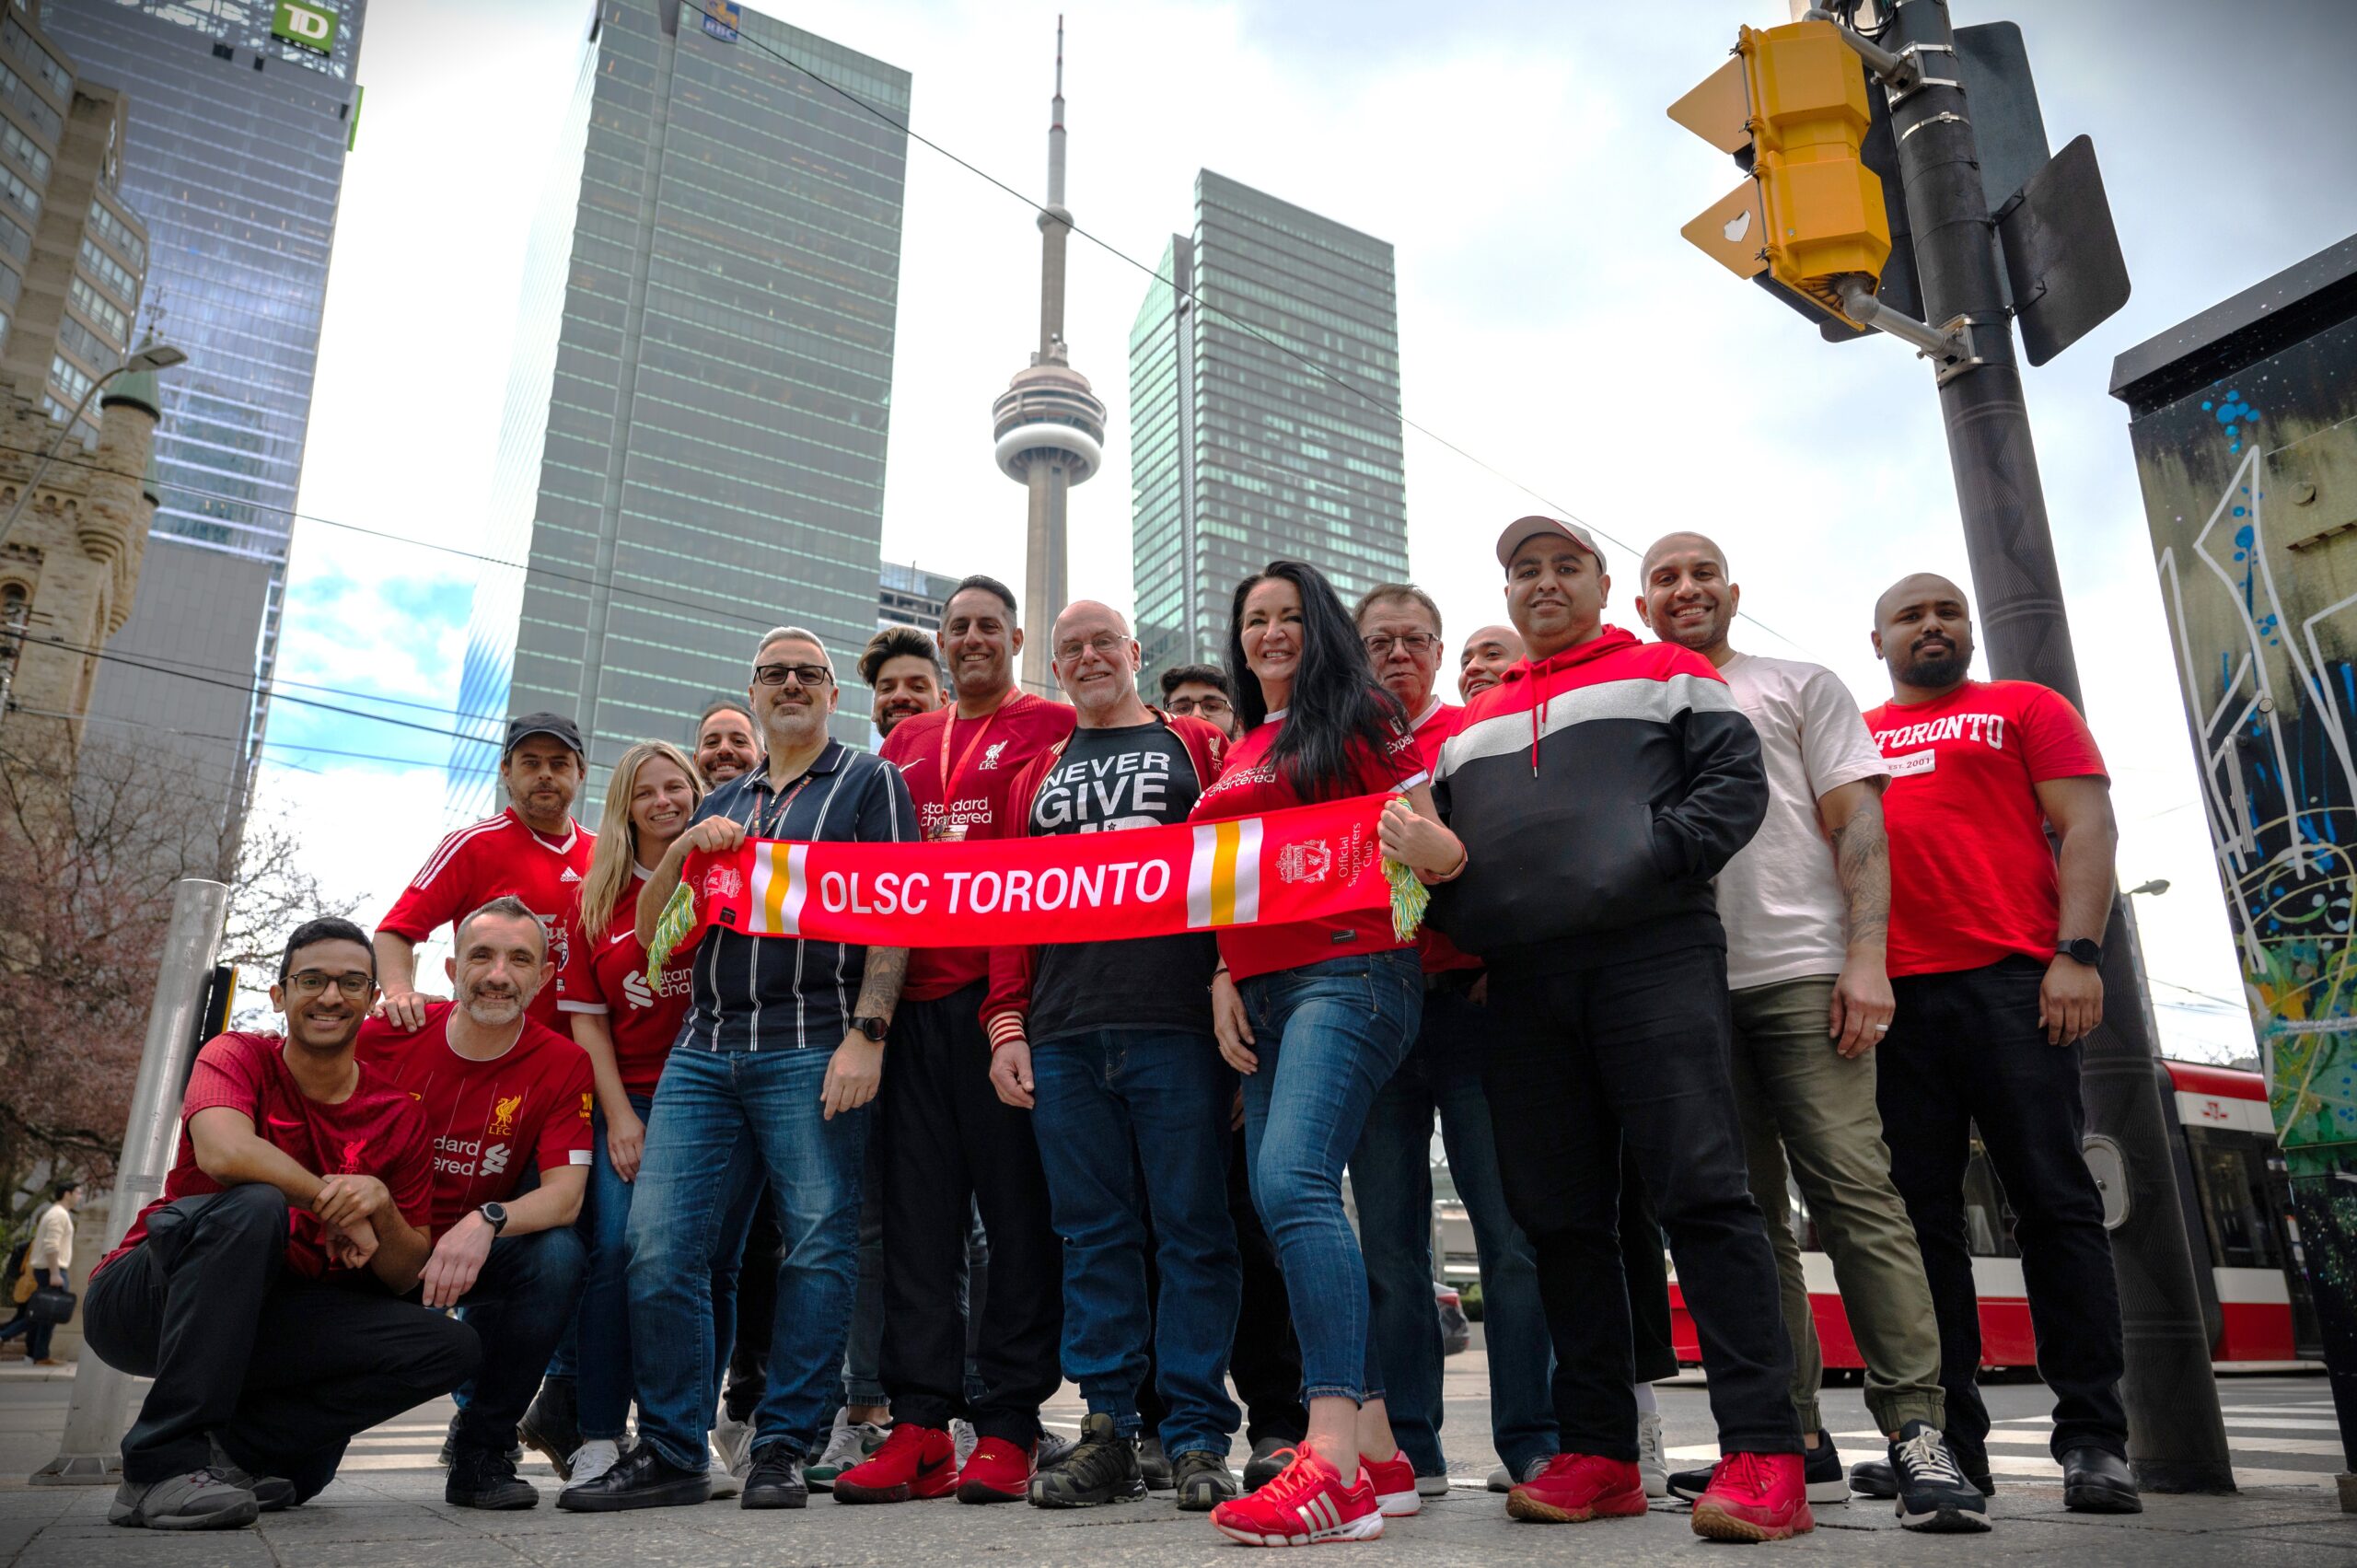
(782, 1052)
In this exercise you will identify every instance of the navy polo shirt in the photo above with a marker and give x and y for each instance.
(780, 993)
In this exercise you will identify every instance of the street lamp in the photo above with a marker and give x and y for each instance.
(2157, 887)
(148, 355)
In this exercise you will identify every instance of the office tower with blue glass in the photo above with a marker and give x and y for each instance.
(712, 460)
(240, 115)
(1264, 396)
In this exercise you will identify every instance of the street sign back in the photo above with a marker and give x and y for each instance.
(2062, 253)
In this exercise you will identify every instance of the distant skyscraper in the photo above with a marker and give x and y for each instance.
(910, 596)
(240, 115)
(1050, 426)
(1239, 452)
(712, 461)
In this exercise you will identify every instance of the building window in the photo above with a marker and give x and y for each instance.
(16, 243)
(15, 614)
(117, 233)
(38, 61)
(84, 343)
(30, 104)
(70, 378)
(25, 150)
(110, 271)
(223, 51)
(94, 305)
(18, 195)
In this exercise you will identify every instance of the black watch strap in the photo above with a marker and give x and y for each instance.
(494, 1215)
(2083, 950)
(873, 1027)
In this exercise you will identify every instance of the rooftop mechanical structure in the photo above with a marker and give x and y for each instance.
(1050, 426)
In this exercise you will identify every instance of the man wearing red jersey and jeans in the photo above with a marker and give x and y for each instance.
(533, 851)
(1597, 789)
(1993, 960)
(953, 1144)
(502, 1096)
(263, 1290)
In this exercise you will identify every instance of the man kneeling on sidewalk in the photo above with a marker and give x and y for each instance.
(503, 1096)
(292, 1222)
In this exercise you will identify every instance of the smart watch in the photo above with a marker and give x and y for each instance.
(494, 1215)
(872, 1027)
(2082, 950)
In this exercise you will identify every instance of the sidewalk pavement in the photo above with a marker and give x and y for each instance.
(386, 1510)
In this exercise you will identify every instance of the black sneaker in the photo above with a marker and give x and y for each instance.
(450, 1448)
(775, 1480)
(1874, 1478)
(2096, 1481)
(1102, 1468)
(1270, 1457)
(1686, 1485)
(485, 1478)
(642, 1479)
(275, 1494)
(552, 1426)
(1933, 1496)
(1202, 1480)
(1152, 1464)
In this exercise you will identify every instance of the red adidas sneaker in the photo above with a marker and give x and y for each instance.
(1575, 1488)
(915, 1462)
(996, 1472)
(1755, 1497)
(1306, 1503)
(1394, 1481)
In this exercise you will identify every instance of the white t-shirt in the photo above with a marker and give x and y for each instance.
(1780, 898)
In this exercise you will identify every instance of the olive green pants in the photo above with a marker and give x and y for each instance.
(1806, 1111)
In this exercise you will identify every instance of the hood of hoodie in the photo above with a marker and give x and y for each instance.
(1611, 639)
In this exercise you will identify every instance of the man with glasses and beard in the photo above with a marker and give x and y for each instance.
(1201, 691)
(1995, 962)
(262, 1291)
(501, 1097)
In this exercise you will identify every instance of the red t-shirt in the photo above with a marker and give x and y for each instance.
(1433, 726)
(962, 771)
(605, 975)
(487, 1120)
(1252, 785)
(1973, 876)
(374, 1130)
(494, 858)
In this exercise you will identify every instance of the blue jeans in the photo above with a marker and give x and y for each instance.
(1165, 1094)
(1328, 1036)
(603, 1341)
(713, 1111)
(1392, 1177)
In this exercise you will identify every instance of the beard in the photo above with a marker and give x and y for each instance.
(1934, 670)
(492, 1009)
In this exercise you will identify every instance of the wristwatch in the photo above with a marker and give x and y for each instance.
(494, 1215)
(872, 1027)
(2082, 950)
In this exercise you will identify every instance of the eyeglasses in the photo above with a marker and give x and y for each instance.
(1380, 644)
(807, 674)
(1184, 705)
(355, 985)
(1105, 646)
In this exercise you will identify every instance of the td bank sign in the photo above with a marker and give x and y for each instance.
(304, 26)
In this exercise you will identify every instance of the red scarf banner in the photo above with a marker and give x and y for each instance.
(1306, 863)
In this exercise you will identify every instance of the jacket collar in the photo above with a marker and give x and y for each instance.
(1611, 640)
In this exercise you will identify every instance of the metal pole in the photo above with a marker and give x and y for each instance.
(91, 1454)
(2177, 1440)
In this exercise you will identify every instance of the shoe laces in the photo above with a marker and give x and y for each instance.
(1094, 1460)
(1306, 1475)
(1925, 1458)
(1746, 1475)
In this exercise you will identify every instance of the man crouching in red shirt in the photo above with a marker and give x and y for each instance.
(293, 1219)
(501, 1097)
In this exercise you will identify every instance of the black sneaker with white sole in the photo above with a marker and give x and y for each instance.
(1821, 1472)
(1874, 1478)
(1934, 1495)
(1101, 1468)
(1202, 1480)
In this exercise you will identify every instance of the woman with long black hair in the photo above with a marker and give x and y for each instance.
(1316, 1015)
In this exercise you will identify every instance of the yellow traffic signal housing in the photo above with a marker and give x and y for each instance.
(1811, 210)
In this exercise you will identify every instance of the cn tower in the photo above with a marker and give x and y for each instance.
(1051, 427)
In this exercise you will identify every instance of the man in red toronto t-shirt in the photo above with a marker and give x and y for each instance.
(502, 1096)
(1994, 962)
(953, 1144)
(262, 1291)
(533, 851)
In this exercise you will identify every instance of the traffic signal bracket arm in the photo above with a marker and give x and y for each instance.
(1950, 348)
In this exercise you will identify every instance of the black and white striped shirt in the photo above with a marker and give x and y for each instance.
(779, 992)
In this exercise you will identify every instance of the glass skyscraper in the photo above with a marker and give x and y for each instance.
(1239, 452)
(235, 159)
(712, 463)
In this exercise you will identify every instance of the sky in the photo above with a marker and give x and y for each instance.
(1563, 348)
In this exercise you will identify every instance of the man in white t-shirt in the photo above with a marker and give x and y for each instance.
(1806, 907)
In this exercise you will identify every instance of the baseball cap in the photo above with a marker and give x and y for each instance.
(1524, 527)
(523, 726)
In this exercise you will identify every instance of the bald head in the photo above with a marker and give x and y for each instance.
(1915, 588)
(1923, 631)
(1684, 596)
(1097, 664)
(1682, 543)
(1090, 612)
(1488, 655)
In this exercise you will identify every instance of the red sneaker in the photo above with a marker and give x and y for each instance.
(1755, 1497)
(996, 1472)
(1394, 1481)
(915, 1462)
(1306, 1503)
(1575, 1488)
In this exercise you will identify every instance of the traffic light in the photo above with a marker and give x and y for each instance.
(1791, 105)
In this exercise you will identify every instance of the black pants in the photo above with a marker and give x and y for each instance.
(1264, 1363)
(1645, 1265)
(749, 1359)
(36, 1330)
(1966, 1049)
(281, 1370)
(955, 1145)
(519, 1306)
(1637, 1050)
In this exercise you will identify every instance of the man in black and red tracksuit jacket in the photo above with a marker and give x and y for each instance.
(1598, 788)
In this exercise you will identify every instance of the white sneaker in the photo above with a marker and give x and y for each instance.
(1432, 1486)
(1502, 1479)
(593, 1459)
(961, 1434)
(733, 1441)
(726, 1481)
(1653, 1459)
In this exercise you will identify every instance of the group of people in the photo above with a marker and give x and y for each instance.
(842, 1218)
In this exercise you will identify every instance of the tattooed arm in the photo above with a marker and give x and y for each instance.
(1861, 999)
